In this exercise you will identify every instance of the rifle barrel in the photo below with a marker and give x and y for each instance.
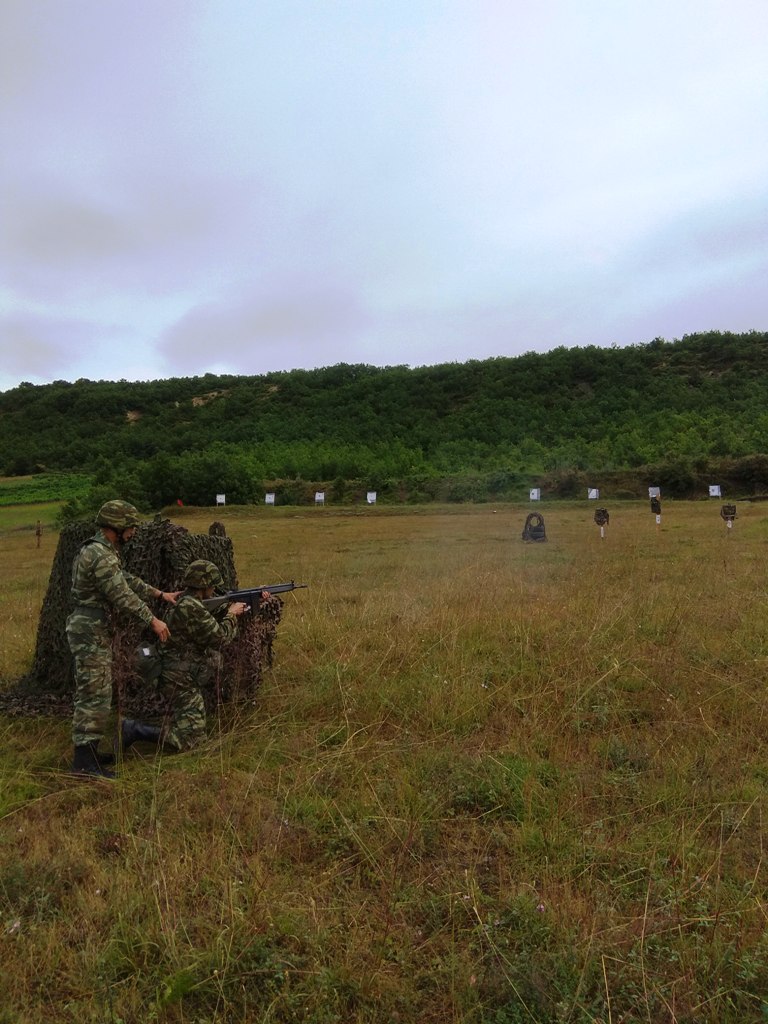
(211, 603)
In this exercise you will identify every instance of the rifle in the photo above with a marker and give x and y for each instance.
(252, 596)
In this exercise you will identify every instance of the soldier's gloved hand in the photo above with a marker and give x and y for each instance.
(161, 630)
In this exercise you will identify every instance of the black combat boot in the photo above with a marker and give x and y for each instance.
(86, 762)
(132, 732)
(104, 757)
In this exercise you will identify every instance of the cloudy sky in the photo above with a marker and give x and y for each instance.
(252, 185)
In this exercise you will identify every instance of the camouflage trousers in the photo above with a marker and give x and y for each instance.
(91, 646)
(181, 687)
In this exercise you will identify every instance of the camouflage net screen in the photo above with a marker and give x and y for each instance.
(159, 554)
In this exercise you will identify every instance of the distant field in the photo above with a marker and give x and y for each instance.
(485, 781)
(42, 487)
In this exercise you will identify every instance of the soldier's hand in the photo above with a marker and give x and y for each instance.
(161, 630)
(171, 597)
(237, 608)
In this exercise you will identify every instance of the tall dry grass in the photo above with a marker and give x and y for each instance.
(25, 568)
(485, 781)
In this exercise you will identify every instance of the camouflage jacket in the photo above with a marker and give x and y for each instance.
(100, 582)
(194, 631)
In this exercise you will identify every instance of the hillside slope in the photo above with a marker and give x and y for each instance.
(701, 397)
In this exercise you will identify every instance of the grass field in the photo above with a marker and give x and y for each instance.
(485, 781)
(42, 488)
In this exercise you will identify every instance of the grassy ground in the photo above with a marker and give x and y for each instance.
(486, 781)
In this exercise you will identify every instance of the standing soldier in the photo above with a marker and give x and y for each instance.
(100, 583)
(38, 531)
(189, 661)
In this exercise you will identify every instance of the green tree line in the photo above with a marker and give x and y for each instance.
(678, 407)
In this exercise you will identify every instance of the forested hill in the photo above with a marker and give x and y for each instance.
(701, 397)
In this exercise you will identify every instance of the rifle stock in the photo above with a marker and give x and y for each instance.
(251, 596)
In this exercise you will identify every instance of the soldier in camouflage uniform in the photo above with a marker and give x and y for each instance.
(100, 583)
(189, 661)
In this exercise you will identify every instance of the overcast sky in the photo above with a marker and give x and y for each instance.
(252, 185)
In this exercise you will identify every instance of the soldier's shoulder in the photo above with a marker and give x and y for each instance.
(189, 606)
(101, 554)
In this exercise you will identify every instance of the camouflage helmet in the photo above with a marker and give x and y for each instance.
(120, 515)
(201, 574)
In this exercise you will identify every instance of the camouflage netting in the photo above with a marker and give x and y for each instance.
(159, 553)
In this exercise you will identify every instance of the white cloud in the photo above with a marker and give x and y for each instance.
(379, 183)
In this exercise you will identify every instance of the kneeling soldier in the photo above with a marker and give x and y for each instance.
(188, 661)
